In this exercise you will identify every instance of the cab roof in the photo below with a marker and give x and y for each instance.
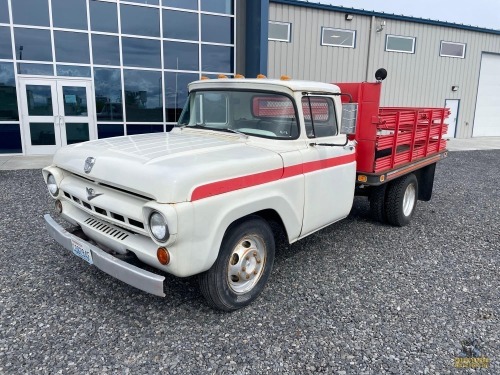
(263, 84)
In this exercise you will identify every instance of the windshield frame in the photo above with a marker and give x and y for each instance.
(255, 91)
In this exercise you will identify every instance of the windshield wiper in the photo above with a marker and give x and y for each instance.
(234, 131)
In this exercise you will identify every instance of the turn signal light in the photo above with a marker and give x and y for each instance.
(362, 178)
(261, 76)
(163, 256)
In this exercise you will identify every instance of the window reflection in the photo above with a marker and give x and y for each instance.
(141, 129)
(39, 98)
(149, 2)
(10, 138)
(8, 97)
(140, 20)
(32, 44)
(217, 6)
(42, 134)
(184, 4)
(30, 12)
(216, 29)
(143, 95)
(108, 94)
(143, 53)
(73, 71)
(4, 11)
(5, 43)
(180, 25)
(75, 101)
(109, 130)
(180, 56)
(216, 59)
(103, 17)
(69, 14)
(176, 92)
(71, 47)
(35, 69)
(77, 132)
(105, 50)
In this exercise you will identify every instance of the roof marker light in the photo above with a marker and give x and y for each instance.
(261, 76)
(204, 78)
(222, 76)
(239, 76)
(284, 77)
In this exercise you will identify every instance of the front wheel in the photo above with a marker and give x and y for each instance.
(401, 199)
(242, 268)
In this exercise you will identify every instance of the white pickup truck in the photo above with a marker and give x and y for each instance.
(200, 199)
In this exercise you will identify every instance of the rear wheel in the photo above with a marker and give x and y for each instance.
(377, 203)
(242, 268)
(401, 200)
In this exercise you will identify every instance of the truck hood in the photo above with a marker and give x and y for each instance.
(168, 166)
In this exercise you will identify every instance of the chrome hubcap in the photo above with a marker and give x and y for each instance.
(246, 264)
(409, 199)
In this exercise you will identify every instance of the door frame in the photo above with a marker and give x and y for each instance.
(58, 83)
(458, 113)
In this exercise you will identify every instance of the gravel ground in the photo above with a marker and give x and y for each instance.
(355, 298)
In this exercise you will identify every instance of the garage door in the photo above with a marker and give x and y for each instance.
(487, 119)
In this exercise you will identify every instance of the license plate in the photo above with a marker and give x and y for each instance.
(82, 250)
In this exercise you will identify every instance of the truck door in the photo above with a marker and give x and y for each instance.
(329, 167)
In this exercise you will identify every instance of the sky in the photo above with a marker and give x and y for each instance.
(482, 13)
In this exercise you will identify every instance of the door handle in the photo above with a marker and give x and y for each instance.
(61, 120)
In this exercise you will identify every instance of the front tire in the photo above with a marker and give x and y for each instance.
(242, 268)
(401, 200)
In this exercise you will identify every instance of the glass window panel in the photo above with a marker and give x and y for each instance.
(180, 56)
(42, 134)
(338, 38)
(176, 92)
(71, 47)
(180, 25)
(35, 69)
(149, 2)
(217, 59)
(33, 44)
(452, 49)
(10, 138)
(400, 44)
(217, 6)
(143, 95)
(109, 130)
(105, 50)
(72, 71)
(75, 101)
(279, 31)
(217, 29)
(77, 132)
(39, 98)
(143, 53)
(141, 129)
(183, 4)
(5, 43)
(103, 17)
(8, 96)
(4, 11)
(108, 94)
(69, 14)
(140, 20)
(30, 12)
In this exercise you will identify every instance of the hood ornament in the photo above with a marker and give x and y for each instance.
(89, 163)
(91, 194)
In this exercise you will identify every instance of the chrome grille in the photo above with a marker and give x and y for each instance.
(106, 229)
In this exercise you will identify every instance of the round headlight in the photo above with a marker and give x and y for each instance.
(52, 185)
(158, 227)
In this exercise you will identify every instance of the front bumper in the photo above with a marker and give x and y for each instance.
(129, 274)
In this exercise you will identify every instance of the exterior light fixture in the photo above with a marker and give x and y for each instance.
(454, 88)
(381, 27)
(349, 17)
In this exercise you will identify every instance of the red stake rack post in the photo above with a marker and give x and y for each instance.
(391, 138)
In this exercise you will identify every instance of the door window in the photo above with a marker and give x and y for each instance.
(319, 116)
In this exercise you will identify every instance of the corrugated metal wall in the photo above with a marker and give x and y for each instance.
(420, 79)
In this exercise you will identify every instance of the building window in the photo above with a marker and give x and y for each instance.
(280, 31)
(396, 43)
(338, 37)
(451, 49)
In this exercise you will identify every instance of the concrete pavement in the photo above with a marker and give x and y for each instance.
(40, 161)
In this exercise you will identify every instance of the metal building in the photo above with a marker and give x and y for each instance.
(430, 63)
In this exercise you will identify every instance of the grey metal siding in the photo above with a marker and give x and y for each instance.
(420, 79)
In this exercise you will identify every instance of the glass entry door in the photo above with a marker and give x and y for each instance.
(56, 113)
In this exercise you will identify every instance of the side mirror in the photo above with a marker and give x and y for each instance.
(349, 118)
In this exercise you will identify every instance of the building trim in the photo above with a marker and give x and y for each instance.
(385, 15)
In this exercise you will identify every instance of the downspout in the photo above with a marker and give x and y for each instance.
(369, 54)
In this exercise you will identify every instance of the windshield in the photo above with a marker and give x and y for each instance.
(255, 113)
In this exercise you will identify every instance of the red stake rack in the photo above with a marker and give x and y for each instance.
(391, 138)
